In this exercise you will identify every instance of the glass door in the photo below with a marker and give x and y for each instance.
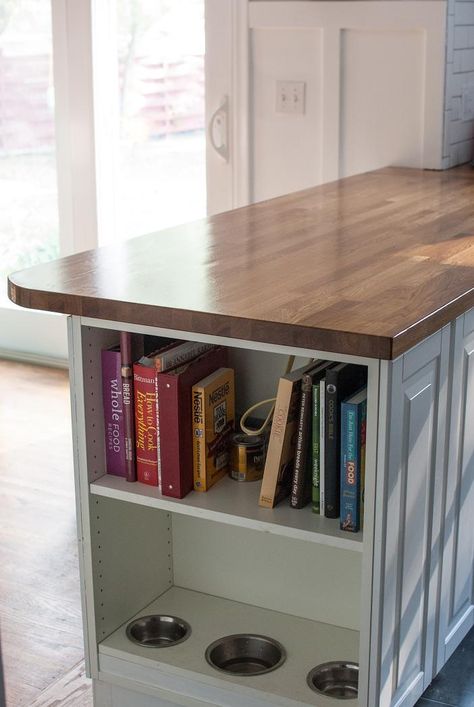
(29, 229)
(137, 131)
(165, 72)
(29, 222)
(161, 145)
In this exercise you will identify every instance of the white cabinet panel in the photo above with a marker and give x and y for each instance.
(377, 127)
(411, 519)
(457, 600)
(374, 90)
(286, 54)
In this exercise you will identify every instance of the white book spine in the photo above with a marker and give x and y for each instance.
(322, 430)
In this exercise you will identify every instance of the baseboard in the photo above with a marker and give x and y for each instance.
(34, 359)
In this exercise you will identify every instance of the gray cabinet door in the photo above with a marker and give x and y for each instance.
(457, 600)
(408, 518)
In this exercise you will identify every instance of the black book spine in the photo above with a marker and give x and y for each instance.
(301, 486)
(332, 446)
(127, 401)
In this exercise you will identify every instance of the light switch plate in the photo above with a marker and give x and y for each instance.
(290, 97)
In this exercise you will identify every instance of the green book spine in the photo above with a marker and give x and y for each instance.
(315, 449)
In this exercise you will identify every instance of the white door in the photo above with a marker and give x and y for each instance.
(128, 127)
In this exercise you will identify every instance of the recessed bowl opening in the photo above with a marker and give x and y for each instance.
(158, 631)
(245, 654)
(337, 679)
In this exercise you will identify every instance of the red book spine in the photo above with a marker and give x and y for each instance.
(144, 383)
(174, 390)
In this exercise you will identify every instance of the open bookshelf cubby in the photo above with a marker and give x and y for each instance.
(217, 560)
(222, 580)
(308, 643)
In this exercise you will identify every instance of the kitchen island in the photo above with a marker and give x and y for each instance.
(376, 269)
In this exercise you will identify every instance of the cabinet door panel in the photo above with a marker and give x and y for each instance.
(457, 600)
(410, 519)
(417, 460)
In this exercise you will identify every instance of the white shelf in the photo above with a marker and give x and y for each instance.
(235, 503)
(183, 668)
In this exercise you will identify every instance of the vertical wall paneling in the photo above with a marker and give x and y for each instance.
(457, 599)
(416, 431)
(382, 99)
(458, 141)
(374, 75)
(330, 104)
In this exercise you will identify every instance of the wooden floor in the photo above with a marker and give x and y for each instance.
(40, 619)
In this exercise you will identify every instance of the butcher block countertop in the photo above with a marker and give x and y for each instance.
(368, 265)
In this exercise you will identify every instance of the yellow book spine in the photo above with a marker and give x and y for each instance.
(199, 440)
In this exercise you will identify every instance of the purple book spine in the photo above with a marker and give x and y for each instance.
(114, 424)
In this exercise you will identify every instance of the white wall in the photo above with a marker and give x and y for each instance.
(458, 142)
(374, 75)
(382, 99)
(287, 153)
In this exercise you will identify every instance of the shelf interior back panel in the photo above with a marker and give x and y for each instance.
(307, 643)
(295, 577)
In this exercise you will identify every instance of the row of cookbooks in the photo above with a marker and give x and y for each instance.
(169, 416)
(168, 413)
(316, 449)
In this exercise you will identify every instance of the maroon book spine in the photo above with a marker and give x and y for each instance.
(114, 425)
(144, 391)
(175, 420)
(127, 395)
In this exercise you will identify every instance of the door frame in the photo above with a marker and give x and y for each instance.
(228, 83)
(22, 332)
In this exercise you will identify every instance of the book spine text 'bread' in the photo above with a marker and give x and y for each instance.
(127, 393)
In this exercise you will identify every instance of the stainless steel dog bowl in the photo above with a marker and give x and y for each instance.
(338, 679)
(157, 631)
(245, 654)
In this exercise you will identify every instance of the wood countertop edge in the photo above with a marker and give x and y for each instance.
(434, 321)
(263, 331)
(215, 324)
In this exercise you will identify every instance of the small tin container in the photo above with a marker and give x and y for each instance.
(247, 457)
